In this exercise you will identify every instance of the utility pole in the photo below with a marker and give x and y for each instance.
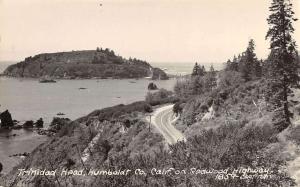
(150, 123)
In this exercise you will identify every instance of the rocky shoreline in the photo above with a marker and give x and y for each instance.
(10, 128)
(7, 123)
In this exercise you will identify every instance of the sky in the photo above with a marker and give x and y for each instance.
(153, 30)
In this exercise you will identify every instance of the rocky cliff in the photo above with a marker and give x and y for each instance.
(83, 64)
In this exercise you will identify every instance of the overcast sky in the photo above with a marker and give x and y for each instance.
(153, 30)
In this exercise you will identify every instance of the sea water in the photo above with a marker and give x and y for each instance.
(27, 99)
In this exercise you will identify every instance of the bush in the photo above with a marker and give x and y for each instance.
(204, 108)
(162, 96)
(294, 136)
(114, 112)
(57, 124)
(67, 129)
(183, 88)
(152, 86)
(69, 163)
(177, 108)
(229, 78)
(148, 108)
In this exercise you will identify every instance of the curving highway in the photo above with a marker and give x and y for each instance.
(162, 120)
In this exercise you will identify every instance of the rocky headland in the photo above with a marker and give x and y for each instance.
(86, 64)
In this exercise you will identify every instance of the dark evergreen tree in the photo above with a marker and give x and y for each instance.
(283, 69)
(212, 77)
(195, 70)
(257, 69)
(202, 71)
(198, 85)
(232, 65)
(235, 64)
(198, 70)
(227, 65)
(212, 70)
(249, 66)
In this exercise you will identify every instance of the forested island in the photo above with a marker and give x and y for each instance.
(99, 63)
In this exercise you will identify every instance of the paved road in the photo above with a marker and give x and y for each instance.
(162, 119)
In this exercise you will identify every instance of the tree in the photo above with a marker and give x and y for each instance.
(195, 70)
(177, 108)
(198, 70)
(283, 68)
(232, 65)
(227, 65)
(198, 85)
(211, 78)
(212, 69)
(235, 63)
(202, 71)
(249, 66)
(257, 69)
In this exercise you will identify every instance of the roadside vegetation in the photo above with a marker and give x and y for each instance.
(162, 96)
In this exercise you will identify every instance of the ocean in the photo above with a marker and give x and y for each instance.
(184, 68)
(27, 99)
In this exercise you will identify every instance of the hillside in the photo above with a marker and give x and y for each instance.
(233, 125)
(83, 64)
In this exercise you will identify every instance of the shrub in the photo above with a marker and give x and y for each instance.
(162, 96)
(57, 124)
(114, 112)
(294, 136)
(67, 129)
(204, 108)
(148, 108)
(69, 163)
(152, 86)
(177, 108)
(229, 78)
(183, 88)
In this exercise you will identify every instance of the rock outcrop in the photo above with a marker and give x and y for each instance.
(28, 124)
(83, 65)
(39, 123)
(6, 119)
(158, 74)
